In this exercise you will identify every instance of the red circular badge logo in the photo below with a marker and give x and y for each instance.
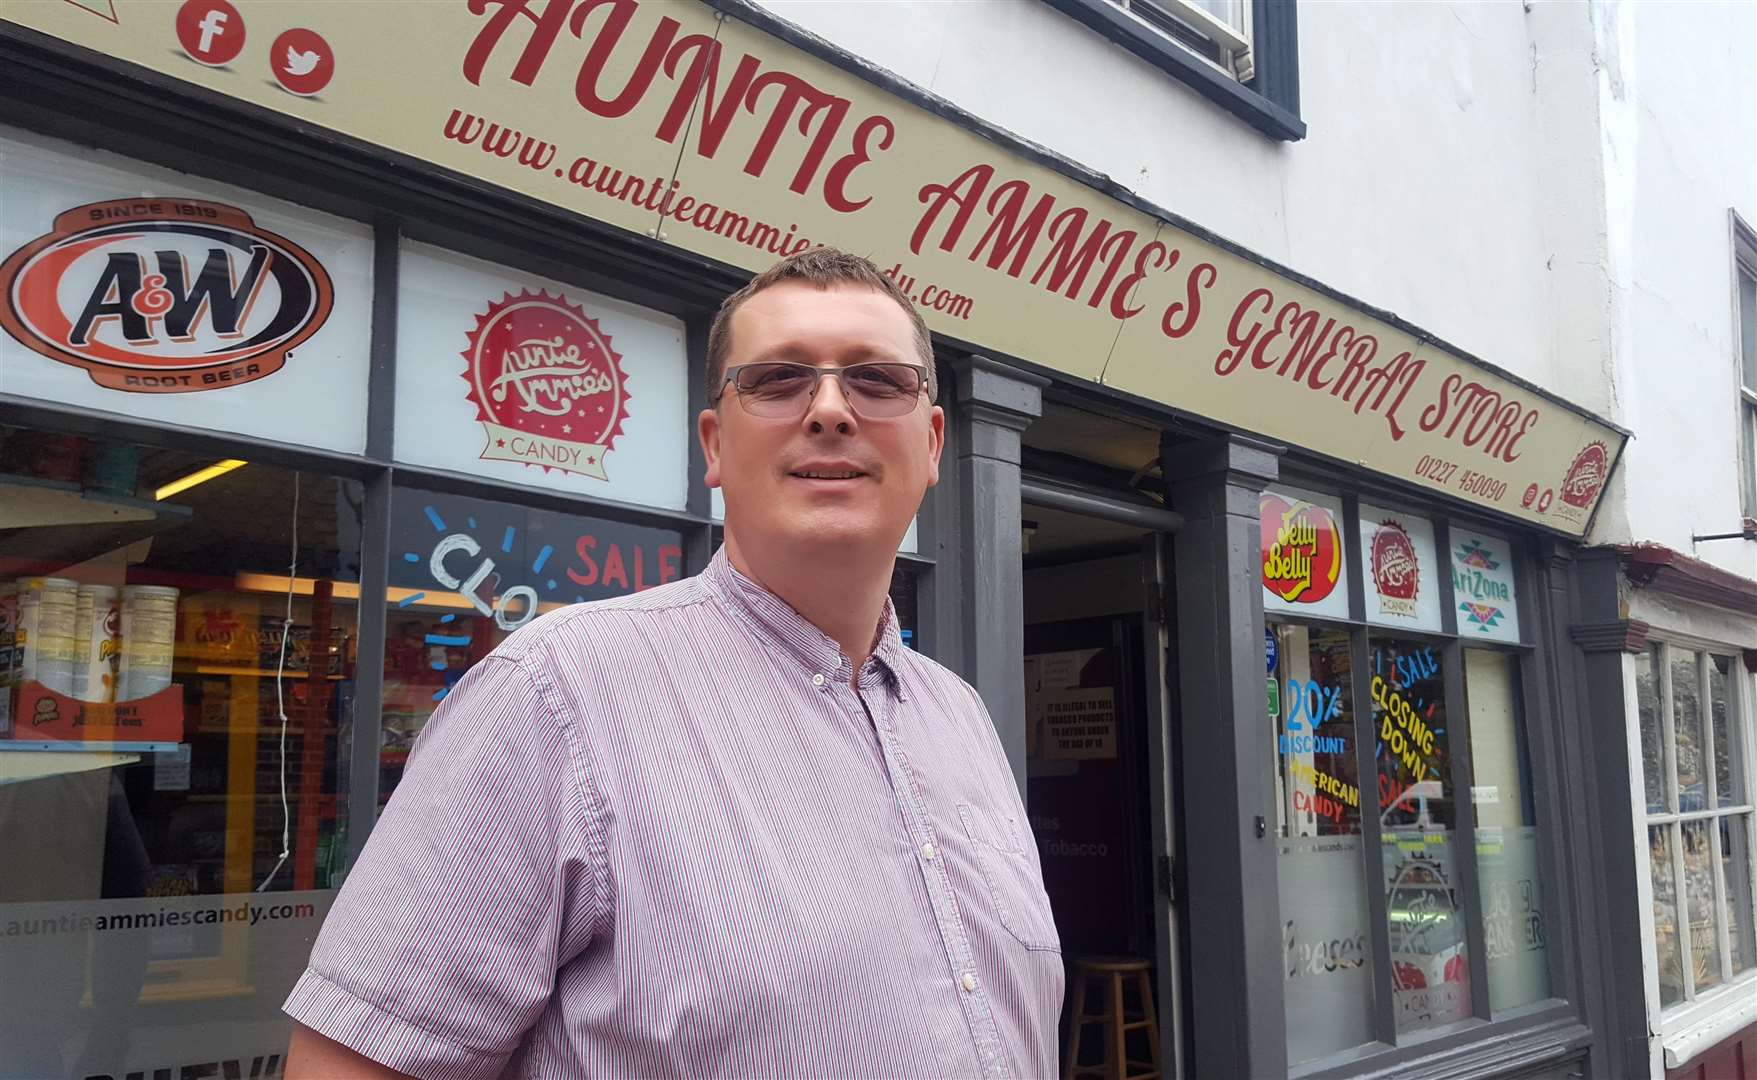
(303, 63)
(1586, 475)
(1396, 570)
(547, 386)
(210, 31)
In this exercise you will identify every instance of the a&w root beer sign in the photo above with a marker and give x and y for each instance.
(164, 295)
(672, 120)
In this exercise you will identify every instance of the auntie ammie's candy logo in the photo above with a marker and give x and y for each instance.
(1586, 475)
(547, 386)
(1396, 569)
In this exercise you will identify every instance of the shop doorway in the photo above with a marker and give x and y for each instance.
(1099, 789)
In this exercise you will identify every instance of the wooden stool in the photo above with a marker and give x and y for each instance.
(1111, 973)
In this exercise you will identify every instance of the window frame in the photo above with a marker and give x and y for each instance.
(1694, 1006)
(1485, 1023)
(1269, 101)
(1744, 276)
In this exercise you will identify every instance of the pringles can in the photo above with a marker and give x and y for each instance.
(149, 635)
(46, 622)
(97, 643)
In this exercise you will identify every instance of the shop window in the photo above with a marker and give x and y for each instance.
(465, 573)
(1430, 966)
(1370, 707)
(504, 374)
(177, 664)
(1695, 757)
(161, 296)
(1326, 941)
(1514, 933)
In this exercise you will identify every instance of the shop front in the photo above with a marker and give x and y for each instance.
(321, 376)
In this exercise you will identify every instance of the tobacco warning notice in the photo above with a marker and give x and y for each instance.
(1079, 724)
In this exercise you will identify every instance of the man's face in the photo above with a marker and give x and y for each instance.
(758, 461)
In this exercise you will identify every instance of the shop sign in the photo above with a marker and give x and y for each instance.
(1305, 568)
(509, 563)
(546, 384)
(1079, 724)
(509, 375)
(154, 295)
(1484, 587)
(1398, 563)
(679, 123)
(194, 304)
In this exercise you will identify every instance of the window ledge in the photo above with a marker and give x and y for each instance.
(1710, 1020)
(1247, 103)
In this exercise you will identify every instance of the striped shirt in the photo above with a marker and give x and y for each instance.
(663, 835)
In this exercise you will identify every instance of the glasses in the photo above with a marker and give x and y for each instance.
(782, 389)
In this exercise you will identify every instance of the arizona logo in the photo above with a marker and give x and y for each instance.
(164, 295)
(547, 386)
(1396, 570)
(1301, 549)
(1587, 474)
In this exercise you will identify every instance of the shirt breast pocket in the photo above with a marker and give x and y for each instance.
(1014, 885)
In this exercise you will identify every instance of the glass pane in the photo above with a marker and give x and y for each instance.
(1652, 734)
(1326, 946)
(146, 794)
(1735, 848)
(1314, 740)
(1728, 751)
(1665, 913)
(1230, 12)
(1748, 326)
(467, 572)
(1687, 733)
(1699, 893)
(1506, 832)
(1430, 972)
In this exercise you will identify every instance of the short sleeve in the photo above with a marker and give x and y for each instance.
(481, 879)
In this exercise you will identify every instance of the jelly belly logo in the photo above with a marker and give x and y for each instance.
(1396, 570)
(1302, 549)
(164, 295)
(547, 386)
(1581, 483)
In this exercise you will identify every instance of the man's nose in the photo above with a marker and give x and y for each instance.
(829, 409)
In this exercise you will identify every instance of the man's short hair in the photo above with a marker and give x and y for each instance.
(820, 267)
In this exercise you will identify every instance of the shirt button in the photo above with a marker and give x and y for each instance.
(969, 983)
(927, 852)
(817, 680)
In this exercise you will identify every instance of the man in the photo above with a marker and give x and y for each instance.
(730, 826)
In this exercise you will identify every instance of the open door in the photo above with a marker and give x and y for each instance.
(1160, 697)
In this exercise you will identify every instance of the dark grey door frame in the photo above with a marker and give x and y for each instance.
(1231, 898)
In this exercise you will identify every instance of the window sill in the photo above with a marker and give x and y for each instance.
(1249, 105)
(1700, 1026)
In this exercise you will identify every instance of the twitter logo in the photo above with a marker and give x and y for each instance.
(302, 61)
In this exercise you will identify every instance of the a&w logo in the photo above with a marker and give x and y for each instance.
(164, 295)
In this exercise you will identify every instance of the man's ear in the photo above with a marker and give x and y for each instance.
(707, 429)
(936, 443)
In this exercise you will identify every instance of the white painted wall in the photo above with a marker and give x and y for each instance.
(1544, 185)
(1678, 97)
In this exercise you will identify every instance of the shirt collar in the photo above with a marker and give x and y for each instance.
(774, 621)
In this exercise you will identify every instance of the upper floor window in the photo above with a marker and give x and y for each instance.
(1219, 31)
(1745, 260)
(1241, 54)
